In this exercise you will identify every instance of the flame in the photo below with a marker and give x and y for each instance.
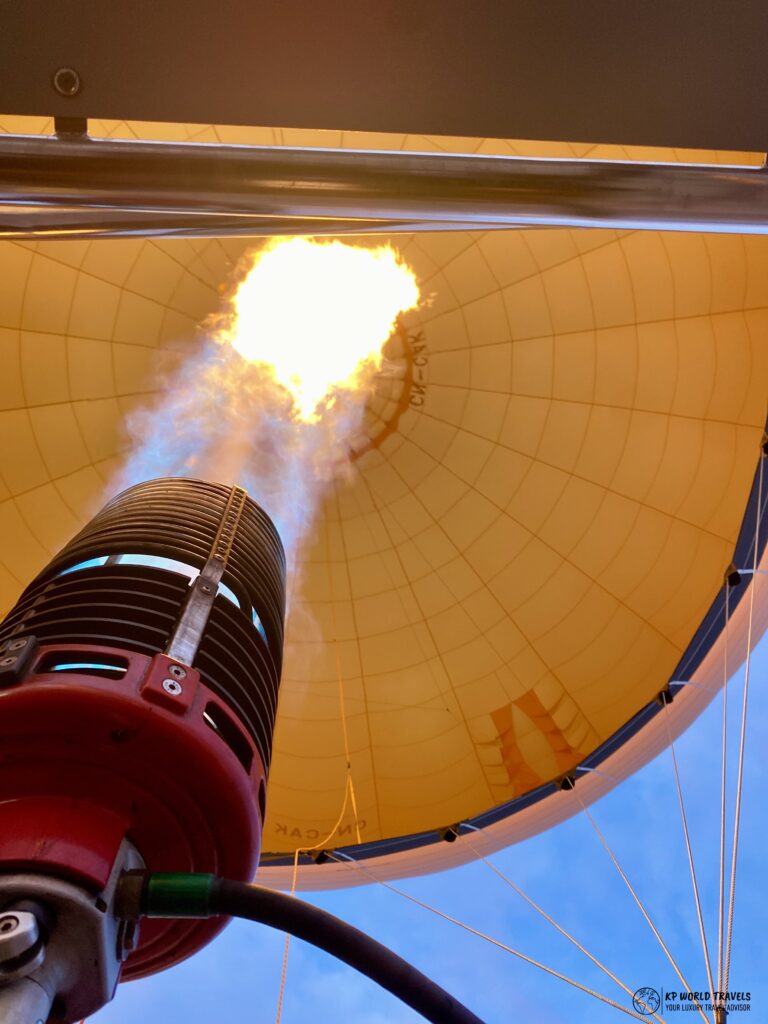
(317, 314)
(277, 387)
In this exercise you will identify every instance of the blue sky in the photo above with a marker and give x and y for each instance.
(565, 870)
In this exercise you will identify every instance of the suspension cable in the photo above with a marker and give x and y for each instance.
(743, 732)
(505, 878)
(638, 901)
(201, 896)
(349, 786)
(702, 931)
(339, 856)
(721, 898)
(296, 852)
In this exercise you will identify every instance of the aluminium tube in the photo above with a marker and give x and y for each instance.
(24, 1002)
(76, 186)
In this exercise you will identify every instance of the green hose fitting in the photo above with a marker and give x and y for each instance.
(173, 894)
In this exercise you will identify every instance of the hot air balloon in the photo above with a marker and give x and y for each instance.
(588, 403)
(545, 515)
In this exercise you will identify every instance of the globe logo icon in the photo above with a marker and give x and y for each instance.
(646, 1000)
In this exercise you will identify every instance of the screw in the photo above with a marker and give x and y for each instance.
(178, 671)
(172, 687)
(9, 923)
(5, 662)
(205, 588)
(16, 645)
(66, 82)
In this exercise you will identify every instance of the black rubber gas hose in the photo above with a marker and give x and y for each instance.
(178, 895)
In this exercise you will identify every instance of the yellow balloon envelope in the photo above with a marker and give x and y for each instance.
(555, 474)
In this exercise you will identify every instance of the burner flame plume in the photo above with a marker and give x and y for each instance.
(277, 387)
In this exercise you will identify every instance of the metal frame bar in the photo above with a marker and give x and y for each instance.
(73, 187)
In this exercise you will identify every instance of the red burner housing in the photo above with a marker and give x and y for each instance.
(99, 742)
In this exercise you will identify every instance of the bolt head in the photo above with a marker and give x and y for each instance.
(5, 662)
(21, 952)
(172, 687)
(178, 672)
(66, 82)
(16, 645)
